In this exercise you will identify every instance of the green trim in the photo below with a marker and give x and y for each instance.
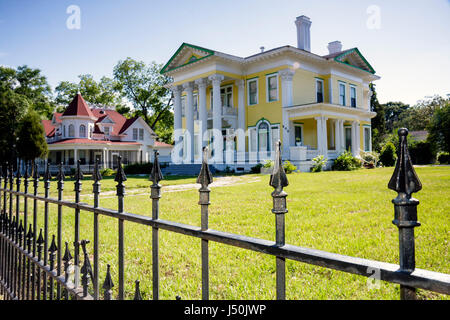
(252, 79)
(271, 74)
(367, 125)
(372, 70)
(166, 66)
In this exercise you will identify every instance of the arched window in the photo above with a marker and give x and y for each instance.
(71, 131)
(82, 131)
(263, 137)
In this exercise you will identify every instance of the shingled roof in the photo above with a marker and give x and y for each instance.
(78, 107)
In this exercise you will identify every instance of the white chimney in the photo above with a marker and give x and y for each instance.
(303, 24)
(335, 46)
(262, 49)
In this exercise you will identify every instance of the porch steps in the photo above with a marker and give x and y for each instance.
(184, 169)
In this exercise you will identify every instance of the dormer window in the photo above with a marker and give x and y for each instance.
(106, 131)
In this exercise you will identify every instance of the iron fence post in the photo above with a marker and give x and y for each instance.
(120, 178)
(156, 176)
(278, 180)
(205, 179)
(77, 188)
(96, 190)
(405, 182)
(35, 190)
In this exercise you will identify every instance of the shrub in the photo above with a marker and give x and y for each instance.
(422, 152)
(346, 162)
(370, 159)
(388, 155)
(289, 167)
(138, 168)
(443, 157)
(107, 172)
(319, 163)
(257, 168)
(269, 164)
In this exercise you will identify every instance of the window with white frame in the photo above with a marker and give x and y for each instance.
(71, 131)
(275, 135)
(252, 86)
(353, 96)
(226, 96)
(367, 139)
(141, 134)
(319, 90)
(106, 131)
(272, 87)
(135, 134)
(82, 131)
(342, 94)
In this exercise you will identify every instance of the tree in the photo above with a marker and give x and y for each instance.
(31, 84)
(379, 122)
(13, 107)
(439, 128)
(418, 117)
(144, 87)
(31, 143)
(394, 111)
(102, 93)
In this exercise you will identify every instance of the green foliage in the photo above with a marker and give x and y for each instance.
(439, 128)
(370, 159)
(443, 158)
(289, 167)
(268, 164)
(319, 163)
(107, 172)
(388, 155)
(138, 168)
(422, 152)
(346, 162)
(31, 143)
(257, 168)
(379, 122)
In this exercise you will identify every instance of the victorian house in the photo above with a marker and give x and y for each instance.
(88, 133)
(240, 106)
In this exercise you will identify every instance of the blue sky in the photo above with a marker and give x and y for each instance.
(410, 50)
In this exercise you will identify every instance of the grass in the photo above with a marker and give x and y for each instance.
(348, 213)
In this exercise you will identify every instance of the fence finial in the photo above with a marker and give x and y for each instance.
(47, 174)
(35, 172)
(86, 269)
(404, 180)
(67, 256)
(53, 248)
(18, 175)
(96, 176)
(78, 173)
(108, 284)
(278, 179)
(40, 240)
(205, 177)
(156, 174)
(137, 292)
(60, 175)
(120, 178)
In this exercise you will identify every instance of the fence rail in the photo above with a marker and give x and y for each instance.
(34, 268)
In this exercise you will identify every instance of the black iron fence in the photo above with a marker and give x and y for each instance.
(35, 265)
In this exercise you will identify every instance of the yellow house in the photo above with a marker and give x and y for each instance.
(316, 105)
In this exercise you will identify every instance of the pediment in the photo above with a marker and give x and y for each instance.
(355, 59)
(186, 55)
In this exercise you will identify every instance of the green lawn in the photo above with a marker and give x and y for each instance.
(348, 213)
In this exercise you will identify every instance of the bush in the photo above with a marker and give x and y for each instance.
(443, 158)
(422, 152)
(269, 164)
(107, 172)
(138, 168)
(388, 155)
(319, 163)
(346, 162)
(289, 167)
(257, 168)
(370, 159)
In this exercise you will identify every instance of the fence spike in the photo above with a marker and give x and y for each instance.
(30, 233)
(137, 292)
(156, 174)
(278, 179)
(47, 174)
(86, 269)
(78, 173)
(120, 178)
(53, 248)
(108, 284)
(18, 174)
(205, 177)
(96, 176)
(67, 256)
(405, 179)
(36, 175)
(60, 175)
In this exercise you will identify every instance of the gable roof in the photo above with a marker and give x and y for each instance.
(78, 107)
(191, 52)
(351, 57)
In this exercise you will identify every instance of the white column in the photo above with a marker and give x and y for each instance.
(75, 156)
(287, 95)
(358, 139)
(337, 137)
(319, 134)
(342, 133)
(202, 112)
(241, 122)
(355, 138)
(216, 80)
(322, 139)
(189, 88)
(178, 124)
